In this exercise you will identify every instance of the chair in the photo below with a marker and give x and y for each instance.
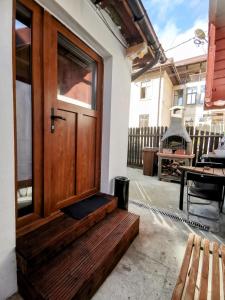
(206, 187)
(212, 165)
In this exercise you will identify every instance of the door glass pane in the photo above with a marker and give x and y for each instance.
(76, 75)
(23, 110)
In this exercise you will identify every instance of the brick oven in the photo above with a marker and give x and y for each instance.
(175, 147)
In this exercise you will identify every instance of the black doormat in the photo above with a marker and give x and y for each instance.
(81, 209)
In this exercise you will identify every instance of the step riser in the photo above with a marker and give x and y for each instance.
(60, 242)
(88, 290)
(25, 289)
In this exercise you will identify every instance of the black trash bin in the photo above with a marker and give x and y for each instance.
(122, 191)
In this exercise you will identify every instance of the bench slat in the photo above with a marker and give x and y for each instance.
(178, 290)
(204, 271)
(223, 266)
(215, 273)
(208, 271)
(190, 291)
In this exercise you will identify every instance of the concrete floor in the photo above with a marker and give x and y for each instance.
(165, 195)
(149, 269)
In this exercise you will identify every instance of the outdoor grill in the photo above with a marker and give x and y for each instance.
(176, 139)
(175, 147)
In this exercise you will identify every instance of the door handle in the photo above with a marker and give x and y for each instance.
(53, 118)
(58, 117)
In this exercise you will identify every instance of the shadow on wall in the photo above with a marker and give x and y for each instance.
(7, 274)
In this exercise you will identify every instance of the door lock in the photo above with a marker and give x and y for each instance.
(53, 118)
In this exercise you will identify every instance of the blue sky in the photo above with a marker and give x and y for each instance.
(175, 21)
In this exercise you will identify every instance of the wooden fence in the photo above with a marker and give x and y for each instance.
(139, 138)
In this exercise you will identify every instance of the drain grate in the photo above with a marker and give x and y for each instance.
(171, 215)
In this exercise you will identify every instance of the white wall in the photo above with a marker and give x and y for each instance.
(166, 100)
(149, 105)
(8, 283)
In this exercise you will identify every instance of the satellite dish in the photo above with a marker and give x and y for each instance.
(200, 34)
(200, 37)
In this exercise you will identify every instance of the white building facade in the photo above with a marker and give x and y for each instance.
(171, 84)
(191, 95)
(151, 99)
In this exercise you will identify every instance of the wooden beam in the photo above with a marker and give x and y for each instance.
(138, 50)
(127, 8)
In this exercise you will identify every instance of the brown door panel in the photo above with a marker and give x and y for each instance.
(72, 148)
(63, 158)
(86, 153)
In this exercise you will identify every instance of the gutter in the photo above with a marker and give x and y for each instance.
(141, 18)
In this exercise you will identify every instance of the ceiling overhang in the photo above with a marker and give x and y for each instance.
(136, 28)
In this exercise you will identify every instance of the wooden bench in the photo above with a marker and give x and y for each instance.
(202, 274)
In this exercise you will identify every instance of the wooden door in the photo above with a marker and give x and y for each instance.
(72, 117)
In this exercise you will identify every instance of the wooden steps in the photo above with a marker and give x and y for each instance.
(79, 269)
(40, 245)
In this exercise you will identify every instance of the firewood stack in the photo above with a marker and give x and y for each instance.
(172, 168)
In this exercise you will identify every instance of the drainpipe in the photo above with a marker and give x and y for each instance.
(147, 67)
(159, 94)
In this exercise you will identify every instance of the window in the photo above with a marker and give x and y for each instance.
(143, 92)
(202, 94)
(146, 90)
(178, 97)
(143, 120)
(24, 108)
(76, 75)
(191, 95)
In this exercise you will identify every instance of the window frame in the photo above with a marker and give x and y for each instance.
(175, 102)
(192, 94)
(37, 113)
(145, 86)
(145, 118)
(201, 101)
(143, 93)
(82, 57)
